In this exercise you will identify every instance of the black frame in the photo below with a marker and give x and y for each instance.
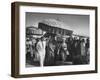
(15, 38)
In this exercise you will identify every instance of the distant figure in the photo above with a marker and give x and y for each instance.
(50, 55)
(29, 51)
(41, 45)
(87, 46)
(82, 47)
(64, 51)
(87, 50)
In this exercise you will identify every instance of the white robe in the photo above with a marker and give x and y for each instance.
(41, 50)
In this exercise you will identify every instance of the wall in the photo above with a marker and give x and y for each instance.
(5, 40)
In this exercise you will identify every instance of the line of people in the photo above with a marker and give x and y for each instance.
(79, 50)
(48, 51)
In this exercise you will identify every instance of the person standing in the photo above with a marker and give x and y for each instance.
(50, 55)
(64, 51)
(87, 51)
(82, 47)
(41, 45)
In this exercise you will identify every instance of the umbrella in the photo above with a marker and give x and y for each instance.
(54, 26)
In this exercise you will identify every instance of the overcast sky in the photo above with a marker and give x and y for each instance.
(78, 23)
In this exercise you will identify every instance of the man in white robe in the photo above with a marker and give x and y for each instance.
(41, 45)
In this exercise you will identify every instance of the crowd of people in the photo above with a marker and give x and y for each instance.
(48, 51)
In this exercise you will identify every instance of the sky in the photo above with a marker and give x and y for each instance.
(79, 24)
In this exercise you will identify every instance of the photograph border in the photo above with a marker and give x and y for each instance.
(15, 32)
